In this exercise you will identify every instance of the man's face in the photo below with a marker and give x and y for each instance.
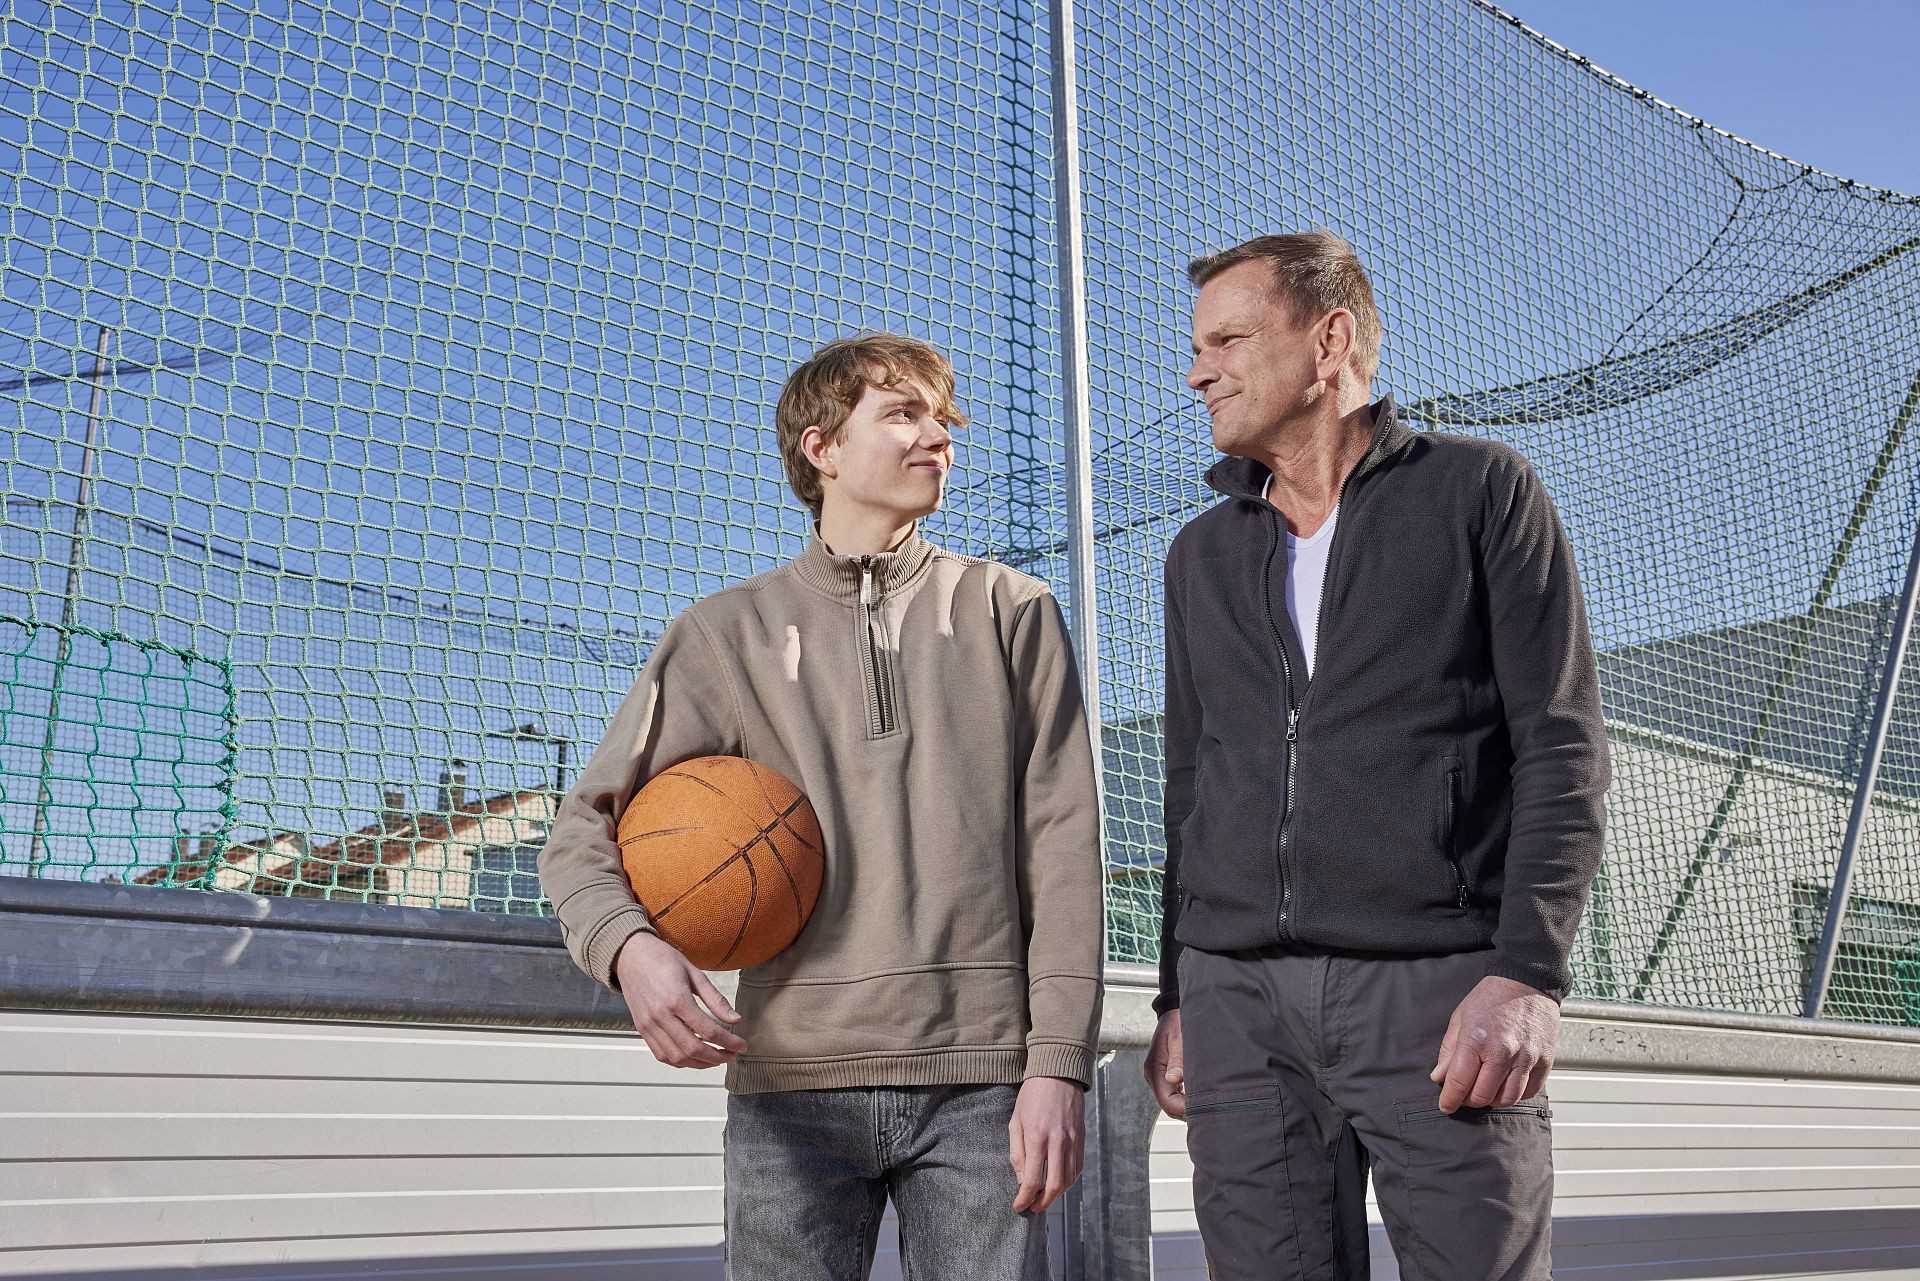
(892, 454)
(1252, 365)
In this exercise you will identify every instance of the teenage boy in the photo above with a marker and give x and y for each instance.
(930, 1033)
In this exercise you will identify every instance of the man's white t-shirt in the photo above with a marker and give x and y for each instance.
(1306, 577)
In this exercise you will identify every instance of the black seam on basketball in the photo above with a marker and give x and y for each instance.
(746, 917)
(797, 834)
(708, 879)
(780, 820)
(799, 912)
(760, 782)
(660, 831)
(696, 779)
(741, 853)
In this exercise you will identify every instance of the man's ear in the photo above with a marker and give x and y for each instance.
(818, 450)
(1338, 334)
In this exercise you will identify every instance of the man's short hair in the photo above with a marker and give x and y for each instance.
(1313, 273)
(824, 390)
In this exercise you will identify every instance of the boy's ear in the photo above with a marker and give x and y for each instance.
(814, 444)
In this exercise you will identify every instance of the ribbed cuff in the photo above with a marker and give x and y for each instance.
(1074, 1062)
(1169, 998)
(1554, 982)
(608, 936)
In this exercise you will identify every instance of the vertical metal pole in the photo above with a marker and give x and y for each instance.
(1075, 395)
(1782, 682)
(69, 607)
(1863, 794)
(1092, 1207)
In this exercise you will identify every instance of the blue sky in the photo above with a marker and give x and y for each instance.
(443, 339)
(1829, 84)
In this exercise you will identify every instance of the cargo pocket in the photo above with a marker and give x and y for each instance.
(1242, 1195)
(1471, 1136)
(1230, 1137)
(1475, 1195)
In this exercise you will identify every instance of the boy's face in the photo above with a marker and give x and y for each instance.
(891, 456)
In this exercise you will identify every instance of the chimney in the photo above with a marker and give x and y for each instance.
(453, 787)
(393, 809)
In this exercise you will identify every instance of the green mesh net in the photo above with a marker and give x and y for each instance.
(429, 352)
(1645, 307)
(116, 752)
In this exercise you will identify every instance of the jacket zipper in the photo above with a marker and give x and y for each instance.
(1453, 844)
(1293, 734)
(880, 720)
(1286, 672)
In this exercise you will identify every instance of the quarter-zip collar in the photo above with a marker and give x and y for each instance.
(880, 574)
(1245, 478)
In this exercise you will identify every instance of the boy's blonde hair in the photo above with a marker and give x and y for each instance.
(824, 390)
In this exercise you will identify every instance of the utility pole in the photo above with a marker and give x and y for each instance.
(76, 550)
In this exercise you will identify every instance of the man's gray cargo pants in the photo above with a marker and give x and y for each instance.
(1289, 1056)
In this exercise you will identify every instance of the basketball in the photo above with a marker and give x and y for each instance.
(726, 856)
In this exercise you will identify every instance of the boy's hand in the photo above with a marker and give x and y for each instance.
(661, 987)
(1048, 1140)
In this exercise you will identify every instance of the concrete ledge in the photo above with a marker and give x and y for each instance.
(1593, 1037)
(71, 946)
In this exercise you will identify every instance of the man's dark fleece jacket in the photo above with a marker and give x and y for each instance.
(1438, 785)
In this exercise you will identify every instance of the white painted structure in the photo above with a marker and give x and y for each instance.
(151, 1145)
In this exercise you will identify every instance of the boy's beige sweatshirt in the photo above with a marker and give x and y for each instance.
(929, 707)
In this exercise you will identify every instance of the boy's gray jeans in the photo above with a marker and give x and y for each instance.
(1290, 1056)
(808, 1173)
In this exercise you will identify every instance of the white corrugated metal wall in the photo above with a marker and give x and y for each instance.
(153, 1144)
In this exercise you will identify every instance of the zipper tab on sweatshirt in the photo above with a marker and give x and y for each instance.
(880, 711)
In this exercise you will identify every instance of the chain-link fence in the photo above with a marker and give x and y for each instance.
(423, 360)
(113, 751)
(430, 351)
(1705, 350)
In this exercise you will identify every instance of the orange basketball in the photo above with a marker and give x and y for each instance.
(726, 856)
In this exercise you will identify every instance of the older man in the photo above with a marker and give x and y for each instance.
(1385, 769)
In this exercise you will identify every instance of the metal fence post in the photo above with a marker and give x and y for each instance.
(1075, 395)
(1822, 979)
(1108, 1230)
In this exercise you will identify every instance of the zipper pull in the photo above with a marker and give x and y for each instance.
(866, 580)
(1293, 724)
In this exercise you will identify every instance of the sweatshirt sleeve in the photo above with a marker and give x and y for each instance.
(1544, 666)
(1180, 726)
(681, 707)
(1058, 863)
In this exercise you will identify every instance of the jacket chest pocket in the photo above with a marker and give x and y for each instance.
(1452, 797)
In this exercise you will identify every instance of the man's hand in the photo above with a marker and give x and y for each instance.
(661, 987)
(1166, 1067)
(1499, 1046)
(1047, 1140)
